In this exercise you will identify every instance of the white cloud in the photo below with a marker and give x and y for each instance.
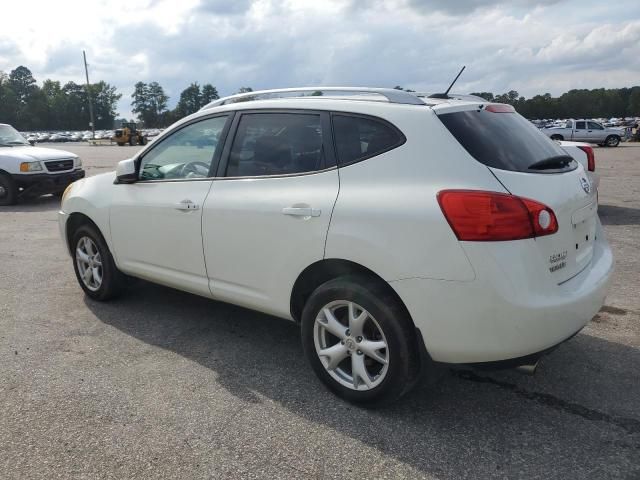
(553, 46)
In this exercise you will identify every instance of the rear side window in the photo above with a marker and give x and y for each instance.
(276, 144)
(358, 138)
(506, 141)
(581, 126)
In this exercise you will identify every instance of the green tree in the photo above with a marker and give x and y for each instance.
(189, 101)
(105, 99)
(150, 103)
(634, 102)
(209, 94)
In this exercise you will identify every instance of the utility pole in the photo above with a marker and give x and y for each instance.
(86, 72)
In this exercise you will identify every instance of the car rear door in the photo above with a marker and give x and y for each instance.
(267, 216)
(580, 133)
(596, 132)
(530, 165)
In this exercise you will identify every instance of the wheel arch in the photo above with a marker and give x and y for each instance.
(75, 221)
(327, 269)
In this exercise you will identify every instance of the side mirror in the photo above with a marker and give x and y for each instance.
(126, 171)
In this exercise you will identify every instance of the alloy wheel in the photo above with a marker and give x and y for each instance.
(351, 345)
(89, 263)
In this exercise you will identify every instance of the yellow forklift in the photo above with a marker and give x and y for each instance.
(128, 133)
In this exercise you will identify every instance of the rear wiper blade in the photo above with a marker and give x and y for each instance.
(560, 161)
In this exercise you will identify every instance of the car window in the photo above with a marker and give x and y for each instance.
(496, 139)
(595, 126)
(276, 144)
(361, 137)
(186, 153)
(581, 126)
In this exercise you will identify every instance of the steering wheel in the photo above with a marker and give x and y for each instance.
(188, 168)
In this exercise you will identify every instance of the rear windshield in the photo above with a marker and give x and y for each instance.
(506, 141)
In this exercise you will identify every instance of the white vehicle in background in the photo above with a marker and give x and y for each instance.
(583, 153)
(26, 170)
(397, 230)
(586, 131)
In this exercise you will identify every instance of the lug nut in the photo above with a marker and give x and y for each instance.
(341, 342)
(359, 352)
(358, 339)
(348, 332)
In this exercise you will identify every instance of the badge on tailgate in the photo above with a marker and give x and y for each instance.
(557, 261)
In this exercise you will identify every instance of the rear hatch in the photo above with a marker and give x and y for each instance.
(529, 164)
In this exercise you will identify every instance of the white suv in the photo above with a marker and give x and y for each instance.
(397, 230)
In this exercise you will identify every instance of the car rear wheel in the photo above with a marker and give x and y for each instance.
(8, 190)
(557, 137)
(360, 341)
(94, 266)
(612, 141)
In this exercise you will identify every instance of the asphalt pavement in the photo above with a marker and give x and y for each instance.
(163, 384)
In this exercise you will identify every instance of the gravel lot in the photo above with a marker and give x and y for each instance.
(164, 384)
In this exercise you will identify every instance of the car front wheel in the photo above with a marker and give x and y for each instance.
(8, 190)
(94, 266)
(360, 341)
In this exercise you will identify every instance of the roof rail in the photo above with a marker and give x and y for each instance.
(391, 94)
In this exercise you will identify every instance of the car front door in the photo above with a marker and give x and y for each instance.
(156, 221)
(267, 216)
(580, 133)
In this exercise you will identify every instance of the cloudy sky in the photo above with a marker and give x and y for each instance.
(529, 46)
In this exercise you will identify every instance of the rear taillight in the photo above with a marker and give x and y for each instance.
(480, 216)
(591, 158)
(499, 108)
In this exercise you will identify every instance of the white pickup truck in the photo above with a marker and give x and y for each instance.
(31, 171)
(586, 131)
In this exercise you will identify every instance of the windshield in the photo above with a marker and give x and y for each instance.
(506, 141)
(9, 136)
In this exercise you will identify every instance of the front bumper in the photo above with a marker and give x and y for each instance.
(504, 317)
(43, 183)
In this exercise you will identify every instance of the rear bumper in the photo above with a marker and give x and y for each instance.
(43, 183)
(503, 315)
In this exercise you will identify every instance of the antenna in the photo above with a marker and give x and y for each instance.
(446, 94)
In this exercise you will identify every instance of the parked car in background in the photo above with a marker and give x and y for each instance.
(584, 154)
(586, 131)
(338, 212)
(26, 170)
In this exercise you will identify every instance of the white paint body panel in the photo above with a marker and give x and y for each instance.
(254, 252)
(154, 239)
(472, 301)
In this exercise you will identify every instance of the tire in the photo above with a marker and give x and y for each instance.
(132, 140)
(557, 137)
(612, 141)
(112, 281)
(121, 144)
(143, 141)
(387, 323)
(8, 190)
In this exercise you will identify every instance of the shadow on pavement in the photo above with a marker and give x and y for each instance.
(34, 204)
(613, 215)
(578, 418)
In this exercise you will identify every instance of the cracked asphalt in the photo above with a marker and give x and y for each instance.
(163, 384)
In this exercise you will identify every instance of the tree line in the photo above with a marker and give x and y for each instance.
(595, 103)
(53, 106)
(28, 106)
